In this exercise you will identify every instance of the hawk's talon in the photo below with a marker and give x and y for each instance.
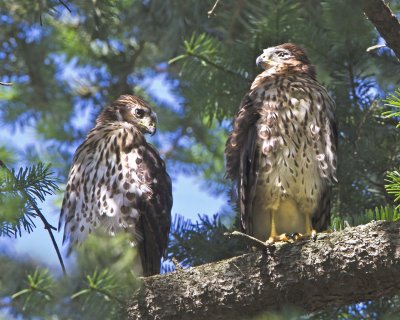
(284, 237)
(295, 236)
(313, 236)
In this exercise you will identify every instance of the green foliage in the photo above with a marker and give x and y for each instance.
(7, 155)
(37, 293)
(394, 102)
(393, 177)
(19, 192)
(387, 213)
(101, 290)
(202, 241)
(104, 252)
(97, 287)
(393, 187)
(287, 313)
(95, 295)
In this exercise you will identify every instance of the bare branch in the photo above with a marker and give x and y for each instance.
(178, 267)
(6, 84)
(211, 12)
(375, 47)
(254, 242)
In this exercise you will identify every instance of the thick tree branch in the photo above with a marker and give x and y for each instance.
(340, 268)
(385, 22)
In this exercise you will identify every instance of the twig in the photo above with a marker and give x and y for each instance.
(211, 12)
(65, 5)
(249, 239)
(178, 267)
(217, 66)
(6, 83)
(47, 225)
(376, 47)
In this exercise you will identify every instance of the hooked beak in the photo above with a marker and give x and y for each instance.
(153, 123)
(262, 61)
(152, 129)
(258, 61)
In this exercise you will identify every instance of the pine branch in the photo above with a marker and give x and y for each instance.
(393, 187)
(102, 283)
(27, 192)
(217, 66)
(205, 49)
(393, 101)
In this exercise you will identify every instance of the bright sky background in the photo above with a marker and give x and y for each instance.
(189, 198)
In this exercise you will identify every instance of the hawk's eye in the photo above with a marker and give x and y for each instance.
(139, 113)
(282, 54)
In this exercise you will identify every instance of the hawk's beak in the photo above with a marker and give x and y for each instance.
(262, 61)
(152, 129)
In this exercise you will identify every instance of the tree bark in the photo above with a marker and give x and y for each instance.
(379, 13)
(340, 268)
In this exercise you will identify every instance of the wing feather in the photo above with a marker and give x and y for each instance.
(329, 139)
(155, 219)
(240, 153)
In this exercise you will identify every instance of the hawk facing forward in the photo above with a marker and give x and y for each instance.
(282, 148)
(119, 182)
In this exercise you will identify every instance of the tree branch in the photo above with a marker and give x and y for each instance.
(340, 268)
(378, 12)
(7, 84)
(217, 66)
(65, 5)
(47, 225)
(211, 12)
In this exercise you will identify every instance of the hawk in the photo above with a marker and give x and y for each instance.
(281, 151)
(119, 182)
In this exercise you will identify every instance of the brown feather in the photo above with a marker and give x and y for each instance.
(286, 115)
(119, 182)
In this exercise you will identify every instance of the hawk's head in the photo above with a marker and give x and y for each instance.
(285, 57)
(130, 109)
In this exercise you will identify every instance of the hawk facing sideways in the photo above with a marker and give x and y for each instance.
(119, 182)
(282, 149)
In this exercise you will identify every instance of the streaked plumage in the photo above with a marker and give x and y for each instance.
(119, 182)
(282, 149)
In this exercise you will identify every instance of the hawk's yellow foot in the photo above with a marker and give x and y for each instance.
(298, 236)
(284, 237)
